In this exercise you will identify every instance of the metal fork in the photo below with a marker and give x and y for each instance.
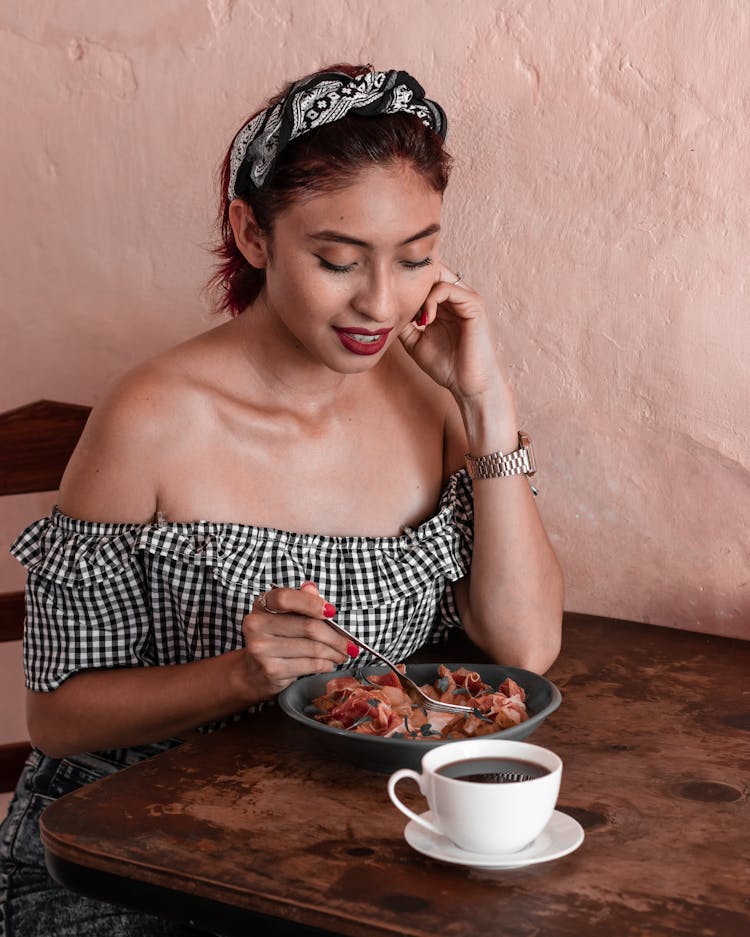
(411, 688)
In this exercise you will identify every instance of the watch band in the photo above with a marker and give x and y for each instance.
(501, 465)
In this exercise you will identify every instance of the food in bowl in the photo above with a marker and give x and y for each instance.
(378, 706)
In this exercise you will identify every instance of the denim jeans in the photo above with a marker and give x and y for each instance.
(32, 904)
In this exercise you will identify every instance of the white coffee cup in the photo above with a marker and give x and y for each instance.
(479, 816)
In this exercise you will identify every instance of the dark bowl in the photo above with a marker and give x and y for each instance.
(387, 755)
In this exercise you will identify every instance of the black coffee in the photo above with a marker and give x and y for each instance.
(493, 770)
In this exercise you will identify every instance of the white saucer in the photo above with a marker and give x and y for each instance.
(560, 836)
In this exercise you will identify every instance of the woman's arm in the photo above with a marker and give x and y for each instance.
(511, 604)
(103, 709)
(115, 708)
(114, 477)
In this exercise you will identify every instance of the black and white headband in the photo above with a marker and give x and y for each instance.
(320, 100)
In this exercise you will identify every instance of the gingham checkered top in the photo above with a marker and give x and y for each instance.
(128, 595)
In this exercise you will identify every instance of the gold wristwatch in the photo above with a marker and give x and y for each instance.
(500, 465)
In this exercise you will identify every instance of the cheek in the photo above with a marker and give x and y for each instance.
(307, 302)
(289, 285)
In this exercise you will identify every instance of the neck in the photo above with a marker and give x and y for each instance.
(284, 368)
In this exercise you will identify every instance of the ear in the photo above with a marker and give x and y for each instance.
(251, 241)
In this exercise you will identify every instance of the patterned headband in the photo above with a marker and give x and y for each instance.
(320, 100)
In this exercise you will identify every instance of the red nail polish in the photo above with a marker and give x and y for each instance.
(352, 650)
(329, 610)
(422, 319)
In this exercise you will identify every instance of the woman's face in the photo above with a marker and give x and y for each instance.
(348, 270)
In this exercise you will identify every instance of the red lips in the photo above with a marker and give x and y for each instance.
(370, 343)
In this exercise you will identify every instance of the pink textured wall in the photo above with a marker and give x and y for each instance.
(600, 200)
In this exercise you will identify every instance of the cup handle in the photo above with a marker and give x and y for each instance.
(393, 781)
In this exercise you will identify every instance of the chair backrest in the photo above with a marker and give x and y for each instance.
(36, 442)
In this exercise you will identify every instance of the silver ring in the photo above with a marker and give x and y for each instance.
(271, 611)
(459, 277)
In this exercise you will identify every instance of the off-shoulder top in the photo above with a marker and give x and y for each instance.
(103, 595)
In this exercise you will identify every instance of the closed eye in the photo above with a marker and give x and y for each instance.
(347, 268)
(335, 268)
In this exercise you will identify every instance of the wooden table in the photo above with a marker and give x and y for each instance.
(654, 733)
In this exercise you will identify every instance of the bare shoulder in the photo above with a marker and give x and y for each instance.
(116, 470)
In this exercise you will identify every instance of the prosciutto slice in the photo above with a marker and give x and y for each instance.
(381, 707)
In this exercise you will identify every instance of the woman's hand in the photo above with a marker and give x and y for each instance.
(102, 709)
(451, 340)
(286, 637)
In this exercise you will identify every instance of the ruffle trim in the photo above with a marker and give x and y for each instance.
(82, 554)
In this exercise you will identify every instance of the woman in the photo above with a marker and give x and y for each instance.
(306, 458)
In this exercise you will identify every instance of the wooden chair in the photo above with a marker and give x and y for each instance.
(36, 442)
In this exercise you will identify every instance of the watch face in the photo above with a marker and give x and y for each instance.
(525, 443)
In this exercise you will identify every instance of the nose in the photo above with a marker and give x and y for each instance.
(375, 297)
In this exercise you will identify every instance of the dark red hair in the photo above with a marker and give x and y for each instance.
(322, 160)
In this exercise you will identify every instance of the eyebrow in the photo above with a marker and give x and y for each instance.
(328, 235)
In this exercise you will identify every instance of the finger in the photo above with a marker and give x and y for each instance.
(410, 335)
(452, 277)
(463, 301)
(273, 635)
(294, 601)
(446, 285)
(278, 674)
(287, 672)
(351, 649)
(273, 647)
